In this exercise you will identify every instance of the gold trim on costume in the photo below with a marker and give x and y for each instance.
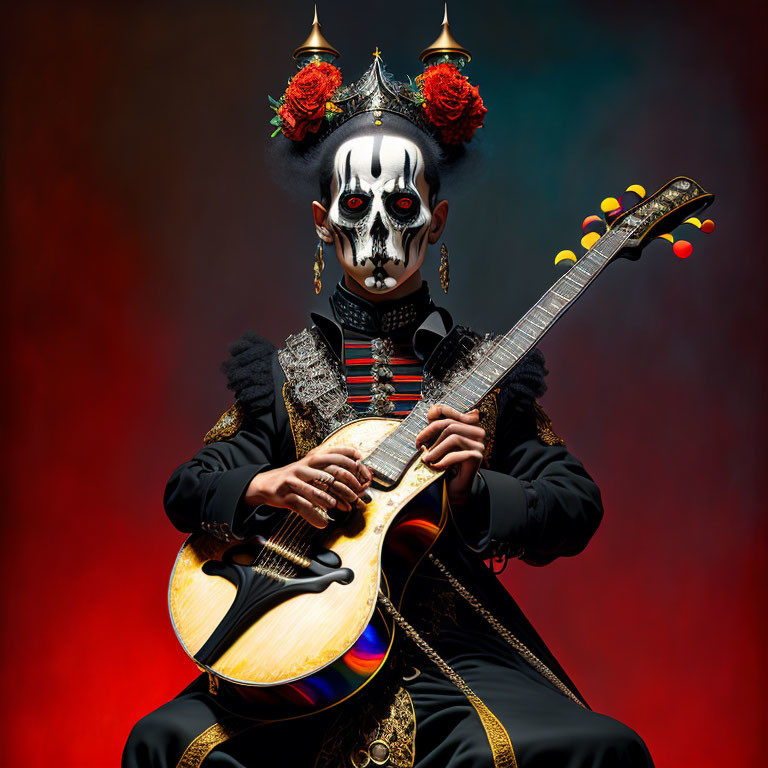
(505, 634)
(489, 413)
(302, 428)
(547, 434)
(498, 738)
(206, 742)
(227, 425)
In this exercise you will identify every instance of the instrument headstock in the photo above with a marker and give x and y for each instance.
(642, 218)
(659, 213)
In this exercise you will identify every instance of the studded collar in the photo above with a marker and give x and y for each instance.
(432, 324)
(386, 318)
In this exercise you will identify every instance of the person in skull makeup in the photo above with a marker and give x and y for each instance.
(380, 212)
(514, 491)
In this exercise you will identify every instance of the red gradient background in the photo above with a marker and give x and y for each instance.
(142, 233)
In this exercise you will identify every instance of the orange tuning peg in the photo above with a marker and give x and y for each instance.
(594, 224)
(707, 226)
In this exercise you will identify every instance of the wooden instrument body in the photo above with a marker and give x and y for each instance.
(316, 649)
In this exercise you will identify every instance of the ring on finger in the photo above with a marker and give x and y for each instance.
(322, 511)
(326, 480)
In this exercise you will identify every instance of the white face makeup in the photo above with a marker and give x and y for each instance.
(379, 212)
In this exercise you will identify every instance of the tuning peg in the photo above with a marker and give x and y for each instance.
(632, 196)
(565, 256)
(594, 224)
(707, 226)
(666, 237)
(589, 240)
(682, 249)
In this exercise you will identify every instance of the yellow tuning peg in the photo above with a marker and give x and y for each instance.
(589, 240)
(565, 256)
(609, 204)
(666, 237)
(637, 189)
(693, 220)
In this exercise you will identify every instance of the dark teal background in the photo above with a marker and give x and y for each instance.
(143, 231)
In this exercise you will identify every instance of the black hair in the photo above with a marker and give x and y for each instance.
(308, 166)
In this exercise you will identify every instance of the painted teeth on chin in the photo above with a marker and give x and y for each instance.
(370, 282)
(390, 282)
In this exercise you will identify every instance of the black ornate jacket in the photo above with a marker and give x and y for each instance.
(532, 499)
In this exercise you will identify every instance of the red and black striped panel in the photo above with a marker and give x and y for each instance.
(406, 376)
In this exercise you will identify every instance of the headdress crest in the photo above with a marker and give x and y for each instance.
(440, 101)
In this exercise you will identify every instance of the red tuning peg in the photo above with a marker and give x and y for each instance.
(682, 249)
(707, 226)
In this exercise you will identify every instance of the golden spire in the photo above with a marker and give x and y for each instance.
(445, 48)
(316, 45)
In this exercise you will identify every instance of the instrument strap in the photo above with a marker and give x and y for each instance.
(526, 654)
(498, 738)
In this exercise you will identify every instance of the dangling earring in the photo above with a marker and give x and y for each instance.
(319, 266)
(445, 268)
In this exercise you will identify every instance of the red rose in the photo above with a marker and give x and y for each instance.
(308, 91)
(451, 103)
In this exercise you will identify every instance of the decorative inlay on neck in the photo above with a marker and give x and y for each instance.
(393, 455)
(660, 212)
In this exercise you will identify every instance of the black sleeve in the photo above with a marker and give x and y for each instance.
(535, 501)
(207, 491)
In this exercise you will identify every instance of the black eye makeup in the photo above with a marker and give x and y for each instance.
(355, 203)
(402, 205)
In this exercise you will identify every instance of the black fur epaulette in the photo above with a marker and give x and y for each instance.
(249, 372)
(525, 384)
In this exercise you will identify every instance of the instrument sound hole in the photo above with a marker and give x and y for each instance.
(244, 558)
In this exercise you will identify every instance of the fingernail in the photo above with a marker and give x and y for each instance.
(367, 498)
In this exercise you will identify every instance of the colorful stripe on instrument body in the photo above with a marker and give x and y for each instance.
(331, 684)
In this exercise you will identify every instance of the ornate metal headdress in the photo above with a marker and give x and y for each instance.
(440, 101)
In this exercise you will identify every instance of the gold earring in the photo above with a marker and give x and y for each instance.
(445, 268)
(319, 266)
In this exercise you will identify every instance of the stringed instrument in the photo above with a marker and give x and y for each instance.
(291, 621)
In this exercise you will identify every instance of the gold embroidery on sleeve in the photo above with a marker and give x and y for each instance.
(227, 425)
(547, 434)
(302, 429)
(489, 413)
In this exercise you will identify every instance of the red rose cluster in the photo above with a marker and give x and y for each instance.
(303, 108)
(451, 103)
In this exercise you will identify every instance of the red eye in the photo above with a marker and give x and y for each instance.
(354, 202)
(404, 203)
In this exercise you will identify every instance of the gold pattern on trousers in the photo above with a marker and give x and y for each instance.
(206, 742)
(498, 738)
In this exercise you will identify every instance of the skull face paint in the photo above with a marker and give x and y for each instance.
(379, 213)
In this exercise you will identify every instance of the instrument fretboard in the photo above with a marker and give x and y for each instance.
(389, 460)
